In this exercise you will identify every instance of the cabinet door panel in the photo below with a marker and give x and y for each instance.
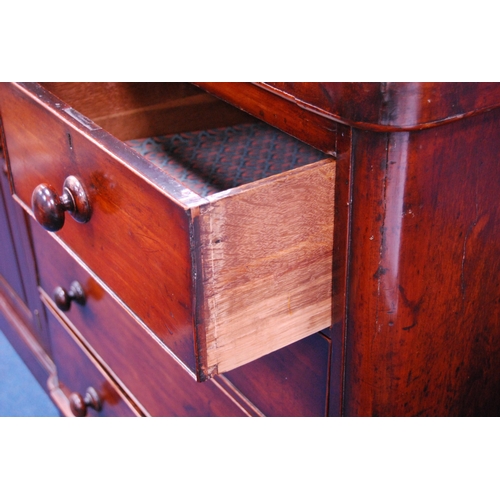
(17, 264)
(9, 268)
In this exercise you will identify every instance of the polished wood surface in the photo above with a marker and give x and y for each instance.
(21, 314)
(391, 105)
(20, 324)
(131, 353)
(77, 372)
(423, 313)
(341, 251)
(414, 249)
(21, 334)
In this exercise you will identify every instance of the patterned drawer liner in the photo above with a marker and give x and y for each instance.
(214, 160)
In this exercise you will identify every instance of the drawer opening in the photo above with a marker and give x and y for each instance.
(223, 249)
(202, 142)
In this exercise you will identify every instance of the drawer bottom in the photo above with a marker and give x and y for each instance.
(214, 160)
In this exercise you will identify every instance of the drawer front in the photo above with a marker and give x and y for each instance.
(136, 233)
(135, 358)
(291, 382)
(78, 375)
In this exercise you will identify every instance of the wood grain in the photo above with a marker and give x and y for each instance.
(424, 287)
(414, 266)
(137, 110)
(266, 265)
(100, 99)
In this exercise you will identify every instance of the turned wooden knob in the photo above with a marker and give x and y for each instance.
(63, 298)
(79, 404)
(49, 208)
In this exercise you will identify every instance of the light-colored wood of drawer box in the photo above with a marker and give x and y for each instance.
(146, 370)
(220, 280)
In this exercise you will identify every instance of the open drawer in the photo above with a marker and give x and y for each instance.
(221, 275)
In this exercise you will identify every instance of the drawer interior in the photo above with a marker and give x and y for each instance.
(210, 161)
(292, 381)
(199, 140)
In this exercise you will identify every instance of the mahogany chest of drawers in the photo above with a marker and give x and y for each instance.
(253, 249)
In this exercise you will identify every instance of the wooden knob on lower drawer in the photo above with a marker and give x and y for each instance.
(79, 404)
(63, 298)
(49, 208)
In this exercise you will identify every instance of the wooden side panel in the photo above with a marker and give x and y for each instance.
(266, 260)
(424, 295)
(100, 99)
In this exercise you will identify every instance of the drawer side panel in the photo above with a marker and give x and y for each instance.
(266, 257)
